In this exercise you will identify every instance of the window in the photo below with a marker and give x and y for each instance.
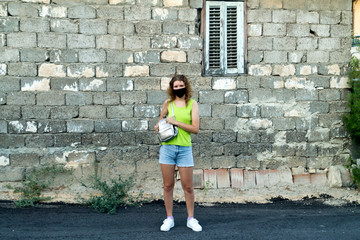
(224, 38)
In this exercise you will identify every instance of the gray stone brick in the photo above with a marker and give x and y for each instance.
(283, 123)
(317, 57)
(161, 14)
(147, 57)
(115, 56)
(50, 98)
(92, 55)
(194, 56)
(9, 112)
(305, 124)
(93, 85)
(51, 40)
(162, 70)
(67, 112)
(80, 41)
(34, 55)
(34, 25)
(22, 10)
(9, 55)
(21, 98)
(64, 25)
(319, 107)
(148, 28)
(189, 42)
(22, 69)
(109, 42)
(135, 125)
(81, 12)
(133, 97)
(156, 97)
(316, 5)
(108, 125)
(108, 70)
(78, 2)
(260, 43)
(320, 81)
(149, 138)
(78, 98)
(223, 111)
(330, 17)
(209, 150)
(306, 95)
(298, 30)
(64, 56)
(329, 95)
(65, 84)
(236, 149)
(137, 13)
(340, 57)
(24, 160)
(2, 98)
(147, 84)
(274, 29)
(12, 141)
(271, 111)
(163, 42)
(189, 69)
(284, 16)
(259, 16)
(339, 132)
(93, 27)
(204, 110)
(3, 127)
(12, 174)
(327, 120)
(275, 56)
(329, 43)
(307, 44)
(211, 124)
(21, 40)
(80, 70)
(224, 137)
(92, 112)
(188, 15)
(320, 30)
(296, 136)
(120, 112)
(339, 107)
(119, 84)
(110, 12)
(175, 28)
(106, 98)
(236, 96)
(80, 126)
(284, 95)
(196, 4)
(95, 139)
(145, 111)
(135, 152)
(286, 43)
(307, 17)
(122, 138)
(9, 25)
(260, 95)
(121, 27)
(65, 140)
(9, 84)
(50, 126)
(207, 97)
(39, 141)
(346, 17)
(319, 135)
(136, 42)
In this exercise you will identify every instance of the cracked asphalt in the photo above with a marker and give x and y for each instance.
(282, 219)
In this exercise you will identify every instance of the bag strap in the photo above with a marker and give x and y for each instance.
(172, 109)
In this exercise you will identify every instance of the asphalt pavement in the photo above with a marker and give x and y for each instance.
(307, 219)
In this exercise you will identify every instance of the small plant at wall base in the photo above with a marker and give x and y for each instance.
(354, 172)
(37, 180)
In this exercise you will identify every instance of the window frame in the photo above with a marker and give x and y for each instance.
(241, 38)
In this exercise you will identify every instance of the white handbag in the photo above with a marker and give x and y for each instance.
(167, 131)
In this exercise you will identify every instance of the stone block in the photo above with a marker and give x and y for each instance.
(296, 136)
(298, 30)
(320, 30)
(339, 107)
(255, 30)
(9, 112)
(163, 42)
(318, 57)
(109, 42)
(286, 43)
(156, 97)
(198, 178)
(236, 97)
(108, 70)
(283, 123)
(274, 29)
(222, 178)
(22, 10)
(224, 136)
(92, 112)
(50, 98)
(136, 71)
(175, 3)
(3, 127)
(93, 27)
(9, 55)
(108, 126)
(211, 124)
(237, 177)
(122, 138)
(22, 127)
(115, 56)
(95, 139)
(22, 69)
(189, 69)
(21, 40)
(173, 56)
(64, 26)
(3, 10)
(329, 43)
(81, 11)
(330, 17)
(194, 56)
(306, 95)
(34, 25)
(259, 16)
(12, 141)
(24, 160)
(121, 27)
(208, 97)
(249, 179)
(147, 57)
(302, 179)
(307, 43)
(260, 43)
(37, 141)
(210, 178)
(80, 41)
(260, 95)
(119, 84)
(284, 70)
(80, 70)
(146, 111)
(51, 40)
(21, 98)
(223, 84)
(49, 126)
(148, 28)
(307, 17)
(137, 13)
(175, 28)
(110, 12)
(334, 177)
(295, 57)
(260, 70)
(92, 56)
(64, 140)
(135, 125)
(64, 56)
(47, 11)
(4, 160)
(51, 70)
(80, 126)
(271, 111)
(34, 55)
(340, 57)
(12, 174)
(120, 112)
(147, 84)
(329, 95)
(78, 98)
(9, 25)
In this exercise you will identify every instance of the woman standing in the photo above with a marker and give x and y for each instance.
(178, 150)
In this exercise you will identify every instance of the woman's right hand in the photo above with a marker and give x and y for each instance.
(156, 127)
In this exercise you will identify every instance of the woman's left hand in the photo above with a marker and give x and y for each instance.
(171, 120)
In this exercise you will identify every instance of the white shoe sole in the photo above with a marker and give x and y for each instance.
(193, 229)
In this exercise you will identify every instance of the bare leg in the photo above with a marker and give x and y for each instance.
(168, 172)
(186, 175)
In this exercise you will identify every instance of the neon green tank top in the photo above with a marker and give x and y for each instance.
(182, 114)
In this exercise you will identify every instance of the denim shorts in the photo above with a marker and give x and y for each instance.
(176, 155)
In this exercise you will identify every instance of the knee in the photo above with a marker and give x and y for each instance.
(168, 187)
(188, 189)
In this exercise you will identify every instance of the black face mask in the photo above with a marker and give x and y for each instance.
(179, 92)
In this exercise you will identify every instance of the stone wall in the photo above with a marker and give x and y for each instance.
(82, 84)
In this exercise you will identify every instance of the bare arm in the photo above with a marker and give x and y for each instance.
(194, 127)
(164, 111)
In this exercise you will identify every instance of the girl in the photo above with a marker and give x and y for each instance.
(178, 150)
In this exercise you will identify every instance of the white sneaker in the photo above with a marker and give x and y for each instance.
(194, 225)
(167, 224)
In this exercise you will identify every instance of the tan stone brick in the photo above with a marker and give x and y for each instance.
(271, 3)
(343, 82)
(222, 177)
(210, 178)
(198, 178)
(173, 56)
(284, 71)
(175, 3)
(237, 177)
(249, 179)
(260, 70)
(51, 70)
(165, 83)
(136, 71)
(37, 1)
(301, 179)
(37, 85)
(318, 179)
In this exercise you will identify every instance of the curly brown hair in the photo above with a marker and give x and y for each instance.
(184, 79)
